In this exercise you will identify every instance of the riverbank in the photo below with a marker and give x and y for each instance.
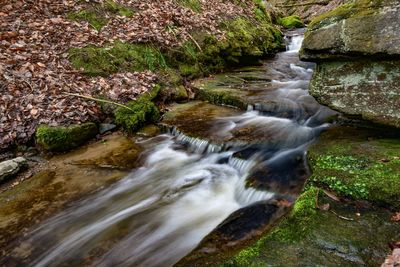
(54, 53)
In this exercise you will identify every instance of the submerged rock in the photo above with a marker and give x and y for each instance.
(357, 48)
(11, 167)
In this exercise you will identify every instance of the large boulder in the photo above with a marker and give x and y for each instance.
(365, 28)
(357, 48)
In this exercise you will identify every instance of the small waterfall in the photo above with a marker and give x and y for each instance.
(295, 43)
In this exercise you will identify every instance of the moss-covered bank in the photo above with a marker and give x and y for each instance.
(344, 235)
(358, 163)
(355, 164)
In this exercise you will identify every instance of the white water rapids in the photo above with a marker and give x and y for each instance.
(162, 210)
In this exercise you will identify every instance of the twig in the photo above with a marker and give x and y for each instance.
(235, 77)
(305, 4)
(342, 217)
(195, 42)
(30, 85)
(100, 100)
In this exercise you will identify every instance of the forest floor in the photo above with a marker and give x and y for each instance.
(36, 37)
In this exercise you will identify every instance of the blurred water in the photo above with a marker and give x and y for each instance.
(186, 186)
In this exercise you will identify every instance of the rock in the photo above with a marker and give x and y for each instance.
(150, 130)
(370, 89)
(310, 236)
(58, 139)
(357, 49)
(306, 9)
(365, 28)
(241, 227)
(11, 167)
(358, 163)
(106, 127)
(67, 177)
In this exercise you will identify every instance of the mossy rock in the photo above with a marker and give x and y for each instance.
(291, 22)
(138, 112)
(59, 139)
(97, 14)
(358, 163)
(311, 236)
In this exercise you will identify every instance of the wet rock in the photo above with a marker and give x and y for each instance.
(106, 127)
(59, 139)
(365, 28)
(310, 236)
(357, 48)
(66, 178)
(11, 167)
(358, 163)
(149, 131)
(196, 119)
(392, 260)
(239, 228)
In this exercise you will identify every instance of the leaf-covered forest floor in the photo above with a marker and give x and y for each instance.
(36, 39)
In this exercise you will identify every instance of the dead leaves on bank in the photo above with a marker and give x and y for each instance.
(35, 72)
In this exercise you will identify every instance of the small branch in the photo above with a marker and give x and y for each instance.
(235, 77)
(99, 100)
(342, 217)
(195, 42)
(304, 4)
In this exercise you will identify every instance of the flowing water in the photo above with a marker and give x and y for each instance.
(186, 186)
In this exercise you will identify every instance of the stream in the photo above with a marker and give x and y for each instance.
(187, 186)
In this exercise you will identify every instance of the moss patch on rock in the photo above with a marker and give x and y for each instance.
(291, 22)
(310, 236)
(58, 139)
(358, 8)
(139, 112)
(359, 164)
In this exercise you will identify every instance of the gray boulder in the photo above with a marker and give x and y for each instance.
(357, 50)
(11, 167)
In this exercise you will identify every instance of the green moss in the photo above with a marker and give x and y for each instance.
(140, 112)
(117, 8)
(93, 18)
(293, 228)
(359, 8)
(194, 5)
(222, 97)
(59, 139)
(96, 14)
(291, 22)
(117, 57)
(360, 169)
(298, 222)
(245, 40)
